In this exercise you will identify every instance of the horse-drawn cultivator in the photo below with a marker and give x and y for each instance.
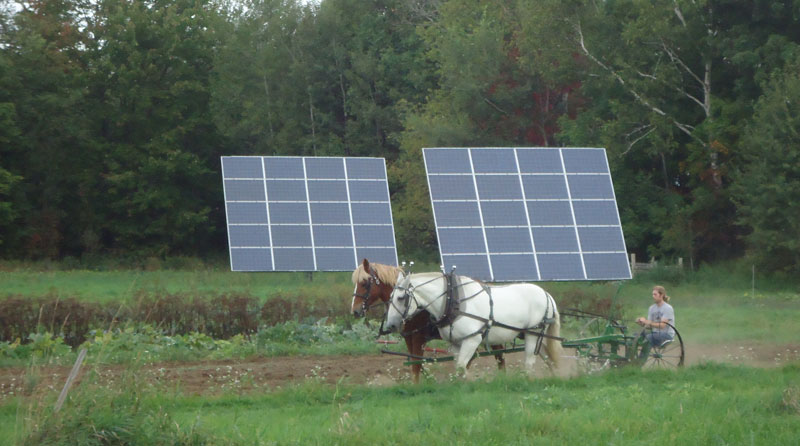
(605, 342)
(602, 341)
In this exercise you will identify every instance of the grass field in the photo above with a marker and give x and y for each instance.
(706, 404)
(103, 286)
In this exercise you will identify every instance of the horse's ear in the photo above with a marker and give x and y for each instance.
(365, 264)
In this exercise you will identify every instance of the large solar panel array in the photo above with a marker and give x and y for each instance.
(526, 214)
(307, 213)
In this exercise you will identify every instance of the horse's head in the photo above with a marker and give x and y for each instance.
(402, 303)
(369, 288)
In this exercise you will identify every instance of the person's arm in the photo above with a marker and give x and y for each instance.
(667, 315)
(652, 324)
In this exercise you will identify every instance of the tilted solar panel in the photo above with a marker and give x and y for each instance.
(307, 213)
(526, 214)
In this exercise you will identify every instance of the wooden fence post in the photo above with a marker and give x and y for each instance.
(72, 375)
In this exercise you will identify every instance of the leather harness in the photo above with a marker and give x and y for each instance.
(453, 312)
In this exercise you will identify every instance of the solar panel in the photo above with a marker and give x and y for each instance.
(307, 213)
(526, 214)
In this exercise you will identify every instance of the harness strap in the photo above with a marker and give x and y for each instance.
(381, 331)
(453, 311)
(531, 330)
(488, 325)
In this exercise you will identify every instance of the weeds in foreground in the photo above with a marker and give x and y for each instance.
(104, 412)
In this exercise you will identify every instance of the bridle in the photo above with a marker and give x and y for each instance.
(408, 294)
(372, 279)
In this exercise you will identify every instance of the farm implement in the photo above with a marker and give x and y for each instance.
(606, 343)
(602, 342)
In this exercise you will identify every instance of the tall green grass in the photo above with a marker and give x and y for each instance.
(706, 404)
(103, 286)
(127, 412)
(703, 405)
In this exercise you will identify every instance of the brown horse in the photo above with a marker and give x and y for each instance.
(374, 282)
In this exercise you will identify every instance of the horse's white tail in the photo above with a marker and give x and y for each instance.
(554, 349)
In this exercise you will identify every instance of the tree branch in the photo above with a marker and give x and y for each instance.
(632, 143)
(678, 13)
(674, 57)
(679, 90)
(685, 128)
(495, 106)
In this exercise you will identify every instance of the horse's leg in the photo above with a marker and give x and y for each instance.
(419, 350)
(465, 352)
(501, 362)
(530, 352)
(415, 368)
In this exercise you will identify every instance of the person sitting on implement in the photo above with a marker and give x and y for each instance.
(657, 316)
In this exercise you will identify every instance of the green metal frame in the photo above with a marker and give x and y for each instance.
(614, 345)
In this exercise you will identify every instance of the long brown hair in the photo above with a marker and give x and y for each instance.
(660, 289)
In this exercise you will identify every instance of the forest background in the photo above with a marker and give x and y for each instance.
(114, 113)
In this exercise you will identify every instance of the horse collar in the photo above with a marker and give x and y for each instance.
(452, 303)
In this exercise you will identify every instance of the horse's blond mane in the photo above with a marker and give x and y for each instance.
(386, 273)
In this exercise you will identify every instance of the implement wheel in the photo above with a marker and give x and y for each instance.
(669, 355)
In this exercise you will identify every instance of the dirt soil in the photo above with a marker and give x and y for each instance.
(259, 374)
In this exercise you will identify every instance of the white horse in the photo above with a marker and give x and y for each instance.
(493, 314)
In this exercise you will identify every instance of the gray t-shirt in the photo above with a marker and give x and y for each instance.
(664, 313)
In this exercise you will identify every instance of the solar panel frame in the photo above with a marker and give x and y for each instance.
(479, 197)
(307, 206)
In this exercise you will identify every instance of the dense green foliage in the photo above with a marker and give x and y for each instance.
(113, 114)
(772, 151)
(707, 404)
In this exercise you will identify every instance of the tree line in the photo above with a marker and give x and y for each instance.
(114, 113)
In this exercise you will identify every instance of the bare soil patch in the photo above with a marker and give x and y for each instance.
(261, 374)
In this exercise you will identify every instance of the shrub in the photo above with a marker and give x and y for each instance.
(72, 318)
(220, 317)
(233, 314)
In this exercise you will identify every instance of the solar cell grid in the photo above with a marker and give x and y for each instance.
(510, 214)
(307, 213)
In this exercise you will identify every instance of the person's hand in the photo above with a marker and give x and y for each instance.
(640, 321)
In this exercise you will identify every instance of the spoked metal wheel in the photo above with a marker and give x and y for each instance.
(669, 355)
